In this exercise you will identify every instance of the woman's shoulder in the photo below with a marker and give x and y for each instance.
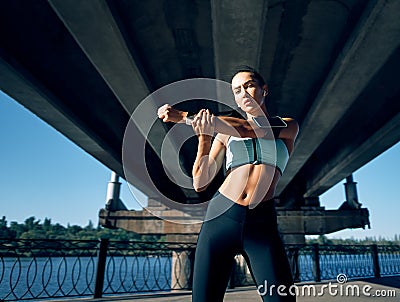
(292, 129)
(291, 122)
(289, 119)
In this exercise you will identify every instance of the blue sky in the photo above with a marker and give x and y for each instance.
(46, 175)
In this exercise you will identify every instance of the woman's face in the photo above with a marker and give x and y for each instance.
(248, 94)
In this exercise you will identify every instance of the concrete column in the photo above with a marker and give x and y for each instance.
(240, 275)
(181, 272)
(113, 203)
(242, 272)
(351, 193)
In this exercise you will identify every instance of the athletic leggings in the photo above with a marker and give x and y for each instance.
(229, 229)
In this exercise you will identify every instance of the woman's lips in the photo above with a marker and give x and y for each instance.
(246, 102)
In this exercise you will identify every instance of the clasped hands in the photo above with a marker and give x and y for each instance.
(203, 123)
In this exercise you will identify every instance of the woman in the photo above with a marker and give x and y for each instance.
(241, 217)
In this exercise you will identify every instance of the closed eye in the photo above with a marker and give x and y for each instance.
(250, 85)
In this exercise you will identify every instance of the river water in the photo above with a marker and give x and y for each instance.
(75, 276)
(43, 277)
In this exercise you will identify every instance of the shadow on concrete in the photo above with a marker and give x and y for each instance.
(391, 281)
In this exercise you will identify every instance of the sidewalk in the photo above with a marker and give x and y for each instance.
(385, 289)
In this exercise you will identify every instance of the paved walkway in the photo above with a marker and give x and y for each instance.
(386, 289)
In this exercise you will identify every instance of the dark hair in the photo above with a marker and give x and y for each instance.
(252, 71)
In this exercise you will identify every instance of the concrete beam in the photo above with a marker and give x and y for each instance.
(96, 32)
(314, 40)
(307, 221)
(318, 221)
(345, 162)
(375, 38)
(92, 25)
(94, 29)
(144, 222)
(238, 28)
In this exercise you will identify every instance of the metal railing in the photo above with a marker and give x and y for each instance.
(46, 268)
(40, 269)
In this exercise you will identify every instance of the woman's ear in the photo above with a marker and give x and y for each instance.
(265, 88)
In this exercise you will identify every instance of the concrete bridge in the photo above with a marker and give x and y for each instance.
(85, 66)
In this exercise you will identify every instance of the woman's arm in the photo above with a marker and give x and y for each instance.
(244, 128)
(210, 154)
(169, 114)
(233, 126)
(223, 124)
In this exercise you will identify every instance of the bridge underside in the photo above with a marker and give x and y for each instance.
(85, 66)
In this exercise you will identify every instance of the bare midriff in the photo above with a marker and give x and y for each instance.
(250, 184)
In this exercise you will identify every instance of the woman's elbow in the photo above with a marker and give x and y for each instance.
(198, 187)
(200, 184)
(247, 130)
(202, 178)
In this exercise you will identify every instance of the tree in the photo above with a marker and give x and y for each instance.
(322, 239)
(5, 232)
(90, 226)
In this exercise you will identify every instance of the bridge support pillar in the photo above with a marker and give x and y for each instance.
(113, 202)
(240, 274)
(182, 269)
(351, 193)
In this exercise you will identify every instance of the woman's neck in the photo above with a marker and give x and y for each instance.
(261, 111)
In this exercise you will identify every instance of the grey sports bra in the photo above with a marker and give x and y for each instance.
(241, 151)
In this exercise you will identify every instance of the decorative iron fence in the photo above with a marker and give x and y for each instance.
(40, 269)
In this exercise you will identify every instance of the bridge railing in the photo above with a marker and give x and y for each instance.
(325, 262)
(40, 269)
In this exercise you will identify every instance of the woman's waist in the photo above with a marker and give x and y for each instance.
(248, 197)
(262, 212)
(249, 186)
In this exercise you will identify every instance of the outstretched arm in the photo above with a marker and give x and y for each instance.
(246, 128)
(169, 114)
(233, 126)
(225, 125)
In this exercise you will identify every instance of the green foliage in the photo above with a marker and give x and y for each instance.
(5, 232)
(34, 229)
(322, 239)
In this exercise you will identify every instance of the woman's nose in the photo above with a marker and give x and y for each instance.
(243, 92)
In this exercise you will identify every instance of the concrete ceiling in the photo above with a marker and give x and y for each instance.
(85, 66)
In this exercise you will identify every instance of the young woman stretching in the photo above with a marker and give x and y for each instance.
(241, 217)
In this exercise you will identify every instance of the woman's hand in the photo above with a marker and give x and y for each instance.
(169, 114)
(203, 124)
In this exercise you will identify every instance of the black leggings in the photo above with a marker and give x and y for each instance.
(229, 229)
